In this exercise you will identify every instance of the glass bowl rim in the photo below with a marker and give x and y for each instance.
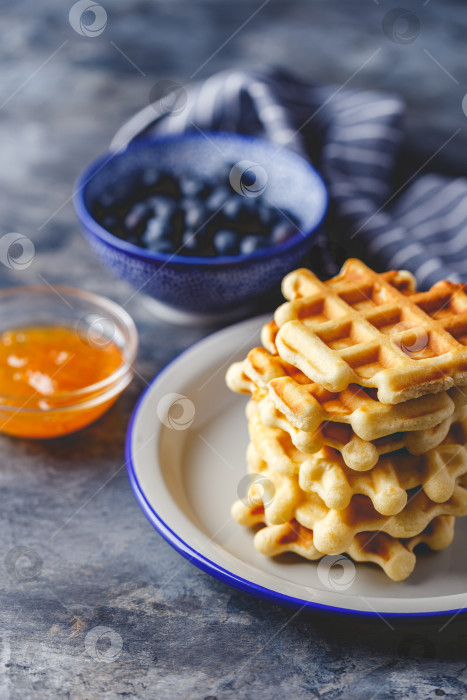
(112, 310)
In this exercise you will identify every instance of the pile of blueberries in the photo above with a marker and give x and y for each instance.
(192, 216)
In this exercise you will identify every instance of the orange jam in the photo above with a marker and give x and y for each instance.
(41, 369)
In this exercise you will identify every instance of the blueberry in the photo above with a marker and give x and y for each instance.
(249, 244)
(107, 200)
(150, 177)
(157, 230)
(195, 214)
(161, 205)
(241, 210)
(226, 242)
(163, 246)
(208, 188)
(190, 243)
(233, 208)
(281, 232)
(191, 187)
(137, 217)
(110, 222)
(217, 199)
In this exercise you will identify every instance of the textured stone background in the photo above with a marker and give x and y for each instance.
(97, 561)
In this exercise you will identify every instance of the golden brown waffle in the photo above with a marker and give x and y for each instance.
(334, 530)
(386, 485)
(238, 381)
(394, 556)
(268, 336)
(358, 454)
(308, 405)
(374, 330)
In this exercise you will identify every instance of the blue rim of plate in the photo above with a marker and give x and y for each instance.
(209, 566)
(97, 164)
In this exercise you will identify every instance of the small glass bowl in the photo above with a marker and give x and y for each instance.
(96, 318)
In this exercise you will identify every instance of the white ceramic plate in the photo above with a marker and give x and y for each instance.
(186, 463)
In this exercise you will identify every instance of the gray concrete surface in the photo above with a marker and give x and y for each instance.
(96, 562)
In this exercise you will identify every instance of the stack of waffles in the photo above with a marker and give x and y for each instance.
(357, 418)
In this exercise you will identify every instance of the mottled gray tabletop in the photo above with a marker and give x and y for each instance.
(92, 560)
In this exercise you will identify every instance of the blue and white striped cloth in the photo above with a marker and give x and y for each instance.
(353, 138)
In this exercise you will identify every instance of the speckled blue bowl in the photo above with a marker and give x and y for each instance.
(202, 285)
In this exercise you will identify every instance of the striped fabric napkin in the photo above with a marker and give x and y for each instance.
(353, 139)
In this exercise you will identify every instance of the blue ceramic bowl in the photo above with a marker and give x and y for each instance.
(203, 285)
